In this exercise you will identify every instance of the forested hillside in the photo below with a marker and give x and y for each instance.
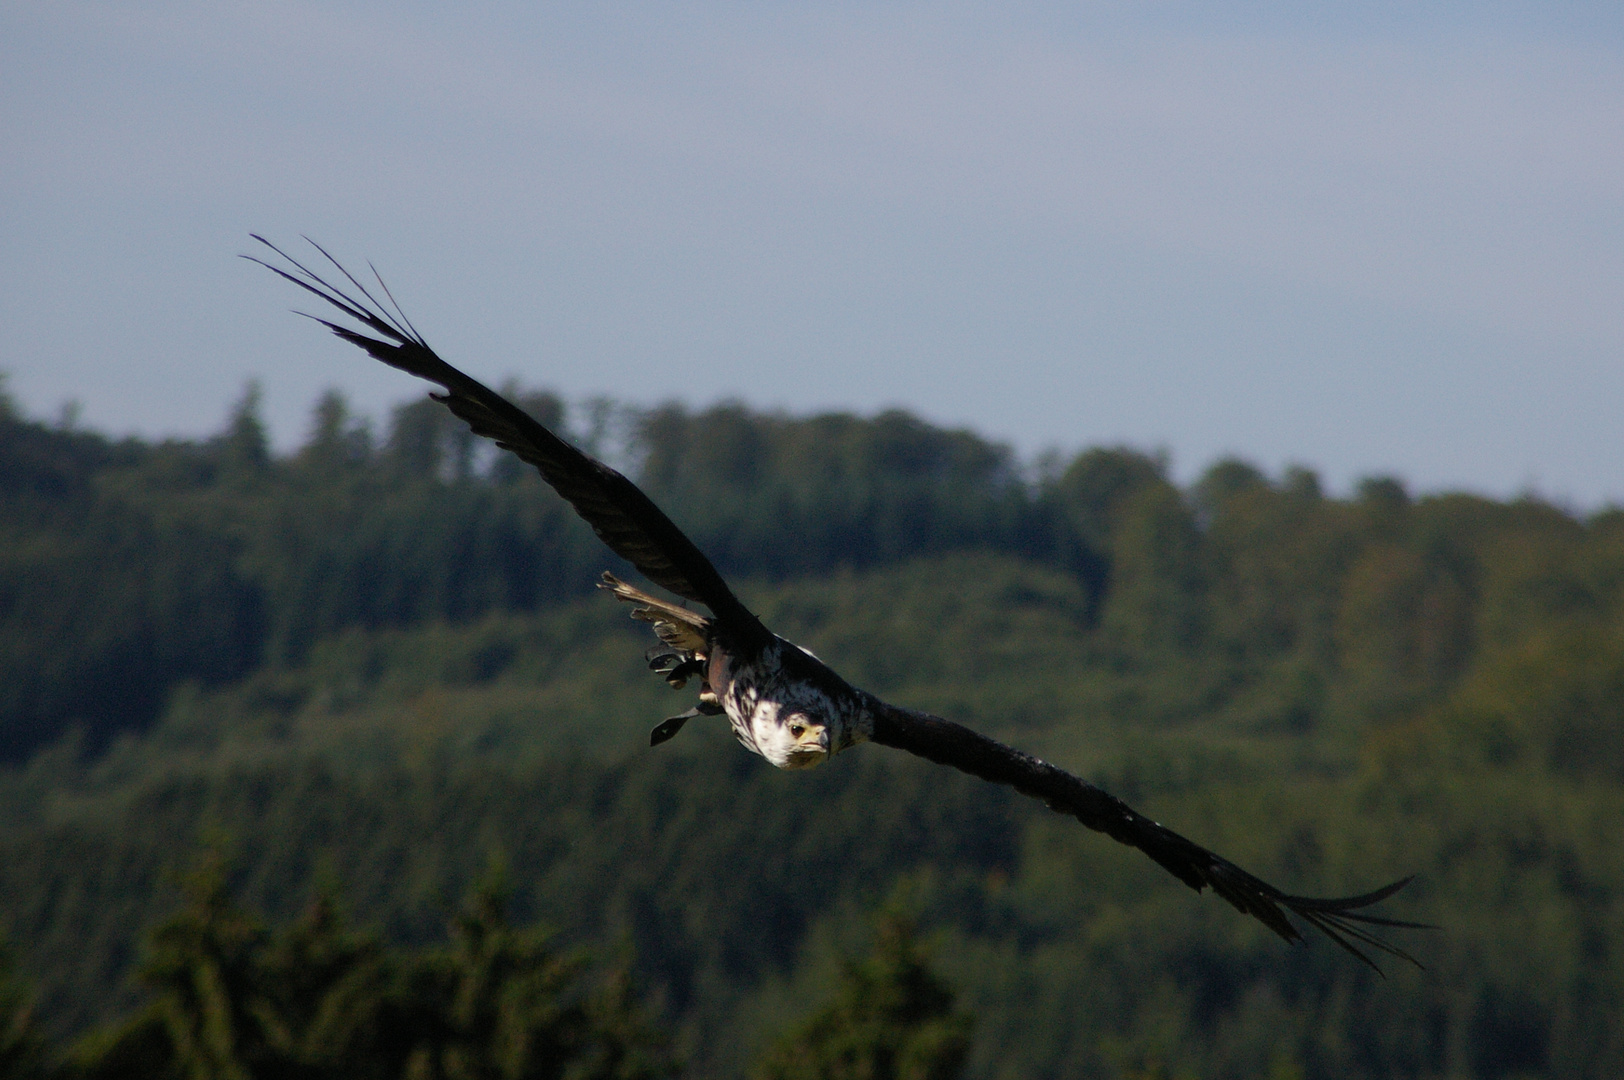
(129, 568)
(378, 665)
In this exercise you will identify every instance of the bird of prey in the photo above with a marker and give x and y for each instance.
(782, 702)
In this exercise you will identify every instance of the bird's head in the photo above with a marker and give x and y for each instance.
(786, 706)
(790, 737)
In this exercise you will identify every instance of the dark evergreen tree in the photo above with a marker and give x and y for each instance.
(243, 450)
(891, 1018)
(23, 1048)
(236, 1001)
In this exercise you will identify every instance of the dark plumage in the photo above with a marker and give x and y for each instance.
(782, 702)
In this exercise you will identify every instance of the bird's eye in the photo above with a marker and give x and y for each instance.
(797, 729)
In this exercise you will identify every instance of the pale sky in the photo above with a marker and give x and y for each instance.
(1370, 238)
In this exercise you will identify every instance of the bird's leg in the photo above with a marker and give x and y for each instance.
(668, 727)
(677, 665)
(682, 654)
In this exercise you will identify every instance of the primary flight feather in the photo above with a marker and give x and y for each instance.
(782, 702)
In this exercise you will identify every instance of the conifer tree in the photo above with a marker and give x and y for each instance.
(891, 1018)
(237, 1001)
(22, 1044)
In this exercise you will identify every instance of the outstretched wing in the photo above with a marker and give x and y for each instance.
(947, 743)
(623, 517)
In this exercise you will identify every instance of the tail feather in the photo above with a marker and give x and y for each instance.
(677, 626)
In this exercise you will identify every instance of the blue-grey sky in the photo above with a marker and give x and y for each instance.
(1367, 237)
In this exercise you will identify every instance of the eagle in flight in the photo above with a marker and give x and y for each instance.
(782, 702)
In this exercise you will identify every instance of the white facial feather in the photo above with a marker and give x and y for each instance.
(789, 721)
(790, 738)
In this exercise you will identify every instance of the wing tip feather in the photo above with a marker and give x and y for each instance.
(1338, 919)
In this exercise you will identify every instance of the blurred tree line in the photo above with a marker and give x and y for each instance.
(128, 568)
(233, 999)
(382, 656)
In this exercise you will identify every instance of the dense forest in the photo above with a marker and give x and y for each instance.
(261, 714)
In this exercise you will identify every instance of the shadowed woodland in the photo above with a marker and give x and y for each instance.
(270, 722)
